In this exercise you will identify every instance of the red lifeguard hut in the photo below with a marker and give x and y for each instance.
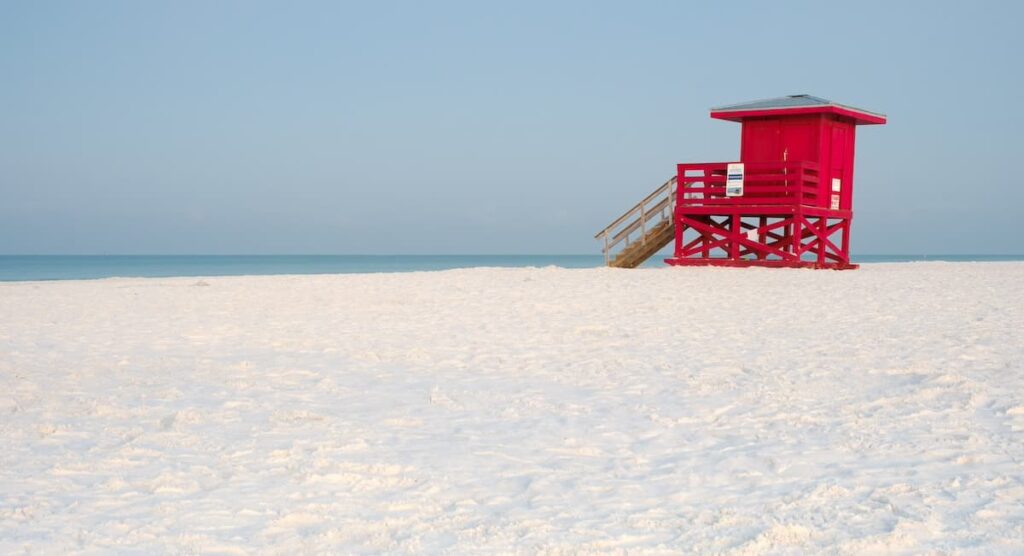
(787, 202)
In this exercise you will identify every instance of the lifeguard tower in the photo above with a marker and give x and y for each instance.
(787, 202)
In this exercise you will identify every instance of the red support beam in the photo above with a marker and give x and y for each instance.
(774, 223)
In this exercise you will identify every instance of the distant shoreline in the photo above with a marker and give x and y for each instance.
(23, 268)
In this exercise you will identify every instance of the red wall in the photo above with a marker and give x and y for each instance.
(823, 138)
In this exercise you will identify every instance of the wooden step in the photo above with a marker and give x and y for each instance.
(657, 237)
(652, 218)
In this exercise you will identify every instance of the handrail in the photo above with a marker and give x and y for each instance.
(791, 164)
(636, 223)
(766, 183)
(645, 217)
(653, 194)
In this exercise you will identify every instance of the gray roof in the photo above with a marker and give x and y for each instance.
(791, 101)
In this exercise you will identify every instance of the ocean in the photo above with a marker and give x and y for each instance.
(77, 267)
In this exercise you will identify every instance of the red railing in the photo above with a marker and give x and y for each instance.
(764, 183)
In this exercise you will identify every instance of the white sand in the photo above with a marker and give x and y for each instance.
(528, 410)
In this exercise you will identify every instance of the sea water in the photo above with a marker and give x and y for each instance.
(76, 267)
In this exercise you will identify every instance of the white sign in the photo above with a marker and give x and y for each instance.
(836, 184)
(734, 180)
(835, 201)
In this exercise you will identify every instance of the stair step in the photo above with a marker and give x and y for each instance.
(652, 217)
(643, 249)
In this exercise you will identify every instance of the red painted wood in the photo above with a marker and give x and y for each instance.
(858, 117)
(770, 264)
(784, 217)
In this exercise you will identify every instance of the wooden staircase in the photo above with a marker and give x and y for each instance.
(642, 231)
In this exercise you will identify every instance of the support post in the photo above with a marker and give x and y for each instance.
(762, 235)
(847, 222)
(735, 230)
(798, 237)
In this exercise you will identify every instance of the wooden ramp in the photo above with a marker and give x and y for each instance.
(642, 231)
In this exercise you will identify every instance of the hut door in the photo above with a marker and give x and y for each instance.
(761, 141)
(837, 182)
(775, 140)
(799, 141)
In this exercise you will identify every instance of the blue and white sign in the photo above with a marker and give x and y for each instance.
(734, 180)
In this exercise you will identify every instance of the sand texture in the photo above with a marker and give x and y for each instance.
(535, 410)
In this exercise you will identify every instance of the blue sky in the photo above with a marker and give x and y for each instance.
(473, 127)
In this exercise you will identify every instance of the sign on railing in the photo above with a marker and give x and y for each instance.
(734, 180)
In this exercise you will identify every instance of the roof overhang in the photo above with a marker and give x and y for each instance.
(795, 105)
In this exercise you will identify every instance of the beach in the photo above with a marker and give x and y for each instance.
(523, 410)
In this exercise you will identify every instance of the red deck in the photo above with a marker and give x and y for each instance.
(783, 219)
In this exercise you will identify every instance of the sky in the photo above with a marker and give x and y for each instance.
(479, 127)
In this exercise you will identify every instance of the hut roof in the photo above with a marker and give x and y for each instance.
(794, 104)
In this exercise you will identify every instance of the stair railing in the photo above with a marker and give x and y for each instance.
(648, 213)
